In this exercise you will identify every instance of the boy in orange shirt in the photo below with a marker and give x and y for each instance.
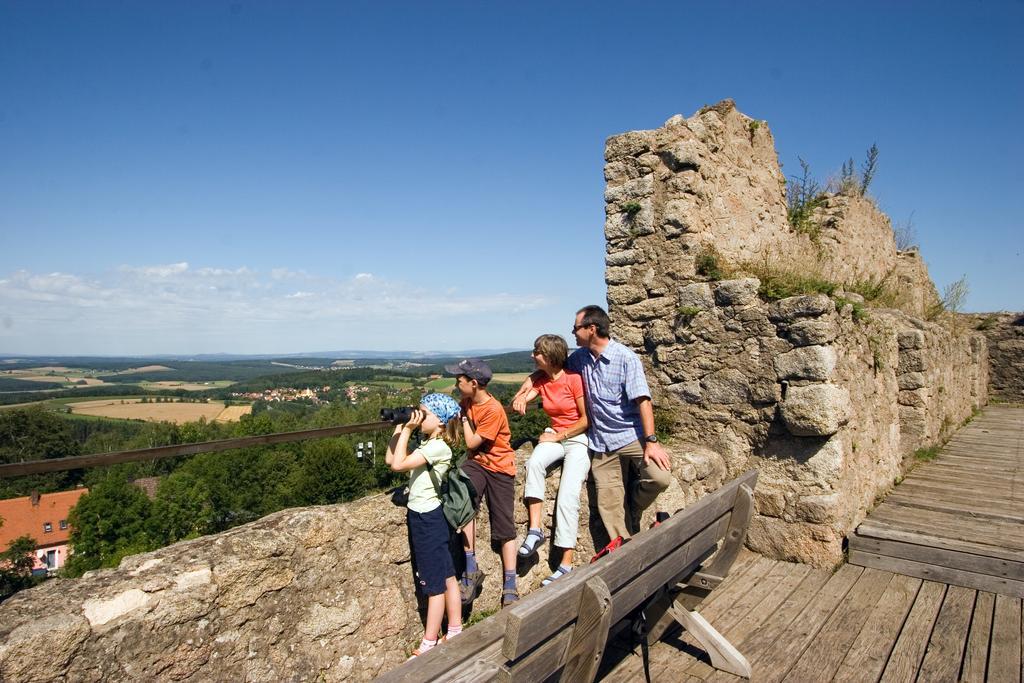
(491, 466)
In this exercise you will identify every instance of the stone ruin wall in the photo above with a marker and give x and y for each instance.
(827, 406)
(1005, 334)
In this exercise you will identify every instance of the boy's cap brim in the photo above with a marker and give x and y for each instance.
(474, 368)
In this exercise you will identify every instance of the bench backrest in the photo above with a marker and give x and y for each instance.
(551, 628)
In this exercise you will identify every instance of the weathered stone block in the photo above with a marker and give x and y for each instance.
(618, 275)
(659, 307)
(737, 292)
(912, 380)
(660, 332)
(825, 466)
(805, 306)
(627, 144)
(688, 391)
(696, 295)
(912, 361)
(769, 502)
(678, 213)
(637, 188)
(685, 154)
(807, 362)
(915, 397)
(811, 332)
(626, 294)
(911, 339)
(726, 386)
(619, 226)
(624, 257)
(630, 335)
(819, 509)
(706, 462)
(816, 409)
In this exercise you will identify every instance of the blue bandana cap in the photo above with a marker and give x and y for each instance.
(441, 405)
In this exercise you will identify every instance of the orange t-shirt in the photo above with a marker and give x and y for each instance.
(491, 424)
(558, 396)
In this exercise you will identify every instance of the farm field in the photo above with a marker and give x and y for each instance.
(510, 377)
(187, 386)
(447, 383)
(178, 413)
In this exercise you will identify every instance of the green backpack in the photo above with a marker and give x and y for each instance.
(456, 493)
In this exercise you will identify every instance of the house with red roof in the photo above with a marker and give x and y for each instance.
(44, 517)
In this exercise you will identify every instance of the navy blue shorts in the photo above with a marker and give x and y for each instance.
(429, 538)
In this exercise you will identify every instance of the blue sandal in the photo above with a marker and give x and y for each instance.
(531, 543)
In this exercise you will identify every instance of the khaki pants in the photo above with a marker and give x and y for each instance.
(610, 471)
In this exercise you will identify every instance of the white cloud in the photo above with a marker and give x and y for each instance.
(173, 308)
(158, 271)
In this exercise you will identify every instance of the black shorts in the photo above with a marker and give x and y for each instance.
(429, 536)
(500, 491)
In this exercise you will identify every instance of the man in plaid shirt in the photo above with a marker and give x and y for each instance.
(621, 432)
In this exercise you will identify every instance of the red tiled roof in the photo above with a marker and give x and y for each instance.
(22, 518)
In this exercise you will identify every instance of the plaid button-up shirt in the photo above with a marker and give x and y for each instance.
(611, 382)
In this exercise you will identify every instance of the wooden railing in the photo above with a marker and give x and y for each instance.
(18, 469)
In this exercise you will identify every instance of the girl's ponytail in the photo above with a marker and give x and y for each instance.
(453, 432)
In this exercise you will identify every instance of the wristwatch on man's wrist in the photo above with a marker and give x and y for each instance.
(653, 438)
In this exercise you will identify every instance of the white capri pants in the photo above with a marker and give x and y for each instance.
(575, 467)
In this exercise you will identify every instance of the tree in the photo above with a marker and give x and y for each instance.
(183, 509)
(16, 566)
(35, 433)
(109, 522)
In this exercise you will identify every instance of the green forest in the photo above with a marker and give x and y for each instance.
(205, 493)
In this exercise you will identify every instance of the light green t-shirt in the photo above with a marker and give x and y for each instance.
(423, 495)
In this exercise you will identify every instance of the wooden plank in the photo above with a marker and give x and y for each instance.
(760, 641)
(767, 607)
(954, 526)
(750, 596)
(957, 492)
(973, 509)
(976, 652)
(823, 656)
(980, 564)
(869, 653)
(932, 572)
(731, 593)
(776, 663)
(906, 655)
(877, 529)
(970, 531)
(19, 469)
(1004, 659)
(543, 612)
(946, 647)
(970, 534)
(480, 642)
(590, 633)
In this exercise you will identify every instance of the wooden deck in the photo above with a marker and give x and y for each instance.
(960, 518)
(795, 623)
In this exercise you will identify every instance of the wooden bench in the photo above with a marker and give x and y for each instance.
(651, 583)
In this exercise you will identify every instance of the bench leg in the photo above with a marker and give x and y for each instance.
(590, 635)
(723, 655)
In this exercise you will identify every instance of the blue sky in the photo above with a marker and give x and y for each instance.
(259, 177)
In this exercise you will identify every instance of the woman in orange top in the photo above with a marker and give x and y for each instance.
(561, 394)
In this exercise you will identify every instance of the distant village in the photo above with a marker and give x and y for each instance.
(314, 395)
